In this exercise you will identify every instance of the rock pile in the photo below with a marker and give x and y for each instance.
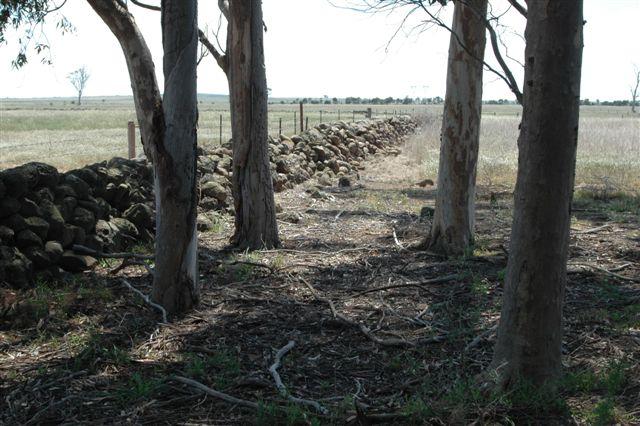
(44, 212)
(327, 152)
(109, 205)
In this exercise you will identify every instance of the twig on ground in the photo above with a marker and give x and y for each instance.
(98, 254)
(51, 405)
(591, 230)
(131, 262)
(363, 328)
(282, 388)
(217, 394)
(417, 284)
(480, 337)
(601, 269)
(146, 299)
(395, 239)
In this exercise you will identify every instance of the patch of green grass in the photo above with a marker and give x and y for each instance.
(611, 380)
(222, 366)
(628, 317)
(417, 411)
(267, 414)
(95, 349)
(603, 413)
(138, 387)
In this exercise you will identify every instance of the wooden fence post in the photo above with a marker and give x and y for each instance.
(369, 113)
(353, 116)
(280, 126)
(295, 123)
(306, 123)
(131, 138)
(301, 116)
(220, 129)
(338, 114)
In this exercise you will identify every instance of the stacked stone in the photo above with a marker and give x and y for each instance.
(44, 212)
(108, 206)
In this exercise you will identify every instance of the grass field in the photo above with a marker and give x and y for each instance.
(61, 133)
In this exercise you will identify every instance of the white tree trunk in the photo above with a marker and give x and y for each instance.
(453, 223)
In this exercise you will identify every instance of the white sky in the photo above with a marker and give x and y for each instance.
(314, 49)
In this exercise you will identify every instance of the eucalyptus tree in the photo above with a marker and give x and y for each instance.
(529, 344)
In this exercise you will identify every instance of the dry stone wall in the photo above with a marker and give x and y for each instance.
(108, 206)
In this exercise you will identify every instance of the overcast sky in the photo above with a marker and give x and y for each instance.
(313, 49)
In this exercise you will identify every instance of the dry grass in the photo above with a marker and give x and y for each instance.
(67, 136)
(608, 149)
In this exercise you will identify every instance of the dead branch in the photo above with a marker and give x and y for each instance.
(479, 338)
(131, 262)
(395, 239)
(517, 6)
(282, 388)
(418, 284)
(147, 300)
(574, 270)
(217, 394)
(98, 254)
(363, 328)
(591, 230)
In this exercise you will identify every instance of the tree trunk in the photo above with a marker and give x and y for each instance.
(454, 217)
(530, 331)
(176, 269)
(175, 280)
(255, 214)
(79, 97)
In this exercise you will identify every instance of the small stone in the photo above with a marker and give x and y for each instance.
(290, 217)
(204, 223)
(30, 208)
(215, 190)
(83, 218)
(15, 222)
(27, 238)
(72, 262)
(6, 235)
(80, 187)
(9, 206)
(344, 182)
(141, 215)
(54, 250)
(38, 225)
(38, 256)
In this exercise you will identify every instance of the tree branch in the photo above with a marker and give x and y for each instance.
(220, 58)
(517, 6)
(146, 6)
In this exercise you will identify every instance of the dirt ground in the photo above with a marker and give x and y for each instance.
(382, 332)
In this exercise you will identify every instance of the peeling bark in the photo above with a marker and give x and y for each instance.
(255, 215)
(530, 330)
(175, 284)
(169, 141)
(454, 217)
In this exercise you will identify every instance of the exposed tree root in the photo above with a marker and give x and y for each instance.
(282, 388)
